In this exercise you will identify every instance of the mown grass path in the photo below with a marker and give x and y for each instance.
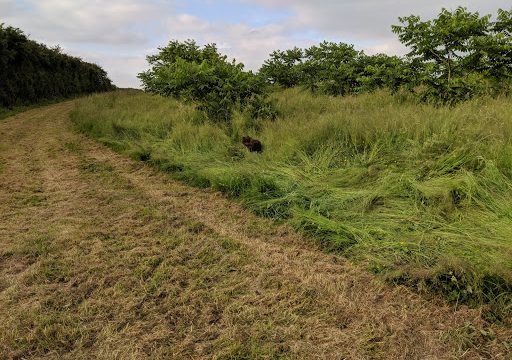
(103, 257)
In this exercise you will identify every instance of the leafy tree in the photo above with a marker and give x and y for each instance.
(327, 68)
(499, 47)
(464, 53)
(284, 67)
(383, 71)
(331, 68)
(335, 69)
(184, 70)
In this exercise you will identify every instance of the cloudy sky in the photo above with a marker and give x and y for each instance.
(118, 34)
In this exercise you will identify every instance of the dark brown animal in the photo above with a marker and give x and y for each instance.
(253, 145)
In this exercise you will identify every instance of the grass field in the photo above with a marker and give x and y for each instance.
(104, 257)
(418, 194)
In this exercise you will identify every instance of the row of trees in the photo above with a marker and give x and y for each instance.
(336, 69)
(453, 57)
(31, 72)
(202, 75)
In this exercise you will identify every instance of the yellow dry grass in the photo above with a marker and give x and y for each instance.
(102, 257)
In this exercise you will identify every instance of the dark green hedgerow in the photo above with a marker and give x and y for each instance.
(32, 73)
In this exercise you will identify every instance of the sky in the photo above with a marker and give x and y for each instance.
(119, 34)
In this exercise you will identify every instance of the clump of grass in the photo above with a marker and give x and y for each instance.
(421, 195)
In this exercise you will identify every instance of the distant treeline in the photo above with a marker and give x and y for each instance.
(337, 69)
(452, 58)
(31, 72)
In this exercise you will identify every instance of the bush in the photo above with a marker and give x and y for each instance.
(335, 69)
(202, 75)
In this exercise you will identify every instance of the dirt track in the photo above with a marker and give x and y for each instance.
(103, 257)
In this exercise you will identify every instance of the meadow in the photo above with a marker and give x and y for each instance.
(418, 194)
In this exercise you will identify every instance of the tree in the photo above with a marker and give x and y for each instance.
(383, 71)
(202, 75)
(331, 68)
(284, 67)
(336, 69)
(464, 53)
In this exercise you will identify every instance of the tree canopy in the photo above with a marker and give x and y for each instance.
(334, 68)
(453, 57)
(185, 70)
(457, 55)
(464, 54)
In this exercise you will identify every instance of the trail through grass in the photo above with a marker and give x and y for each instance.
(421, 195)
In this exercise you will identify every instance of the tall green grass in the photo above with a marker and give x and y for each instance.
(420, 195)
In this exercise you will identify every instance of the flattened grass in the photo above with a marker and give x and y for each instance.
(419, 194)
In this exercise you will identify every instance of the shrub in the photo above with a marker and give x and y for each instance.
(202, 75)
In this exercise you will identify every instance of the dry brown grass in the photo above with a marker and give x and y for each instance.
(102, 257)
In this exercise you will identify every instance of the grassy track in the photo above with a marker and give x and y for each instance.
(418, 194)
(5, 112)
(103, 257)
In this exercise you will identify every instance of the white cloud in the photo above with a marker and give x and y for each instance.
(81, 21)
(390, 47)
(114, 34)
(249, 45)
(185, 23)
(367, 19)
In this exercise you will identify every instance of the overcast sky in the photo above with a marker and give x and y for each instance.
(118, 34)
